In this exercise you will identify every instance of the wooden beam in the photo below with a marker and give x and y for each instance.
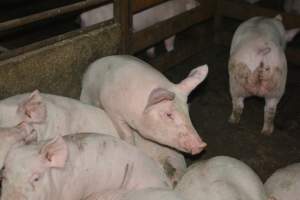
(49, 14)
(164, 29)
(55, 39)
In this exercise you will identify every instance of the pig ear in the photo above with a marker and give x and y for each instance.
(278, 17)
(290, 34)
(55, 152)
(33, 109)
(195, 77)
(158, 95)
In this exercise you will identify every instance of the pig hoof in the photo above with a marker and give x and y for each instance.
(233, 120)
(267, 131)
(151, 52)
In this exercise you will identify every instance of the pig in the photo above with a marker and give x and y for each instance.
(51, 114)
(292, 6)
(142, 19)
(221, 178)
(142, 194)
(138, 97)
(75, 167)
(257, 66)
(10, 136)
(284, 183)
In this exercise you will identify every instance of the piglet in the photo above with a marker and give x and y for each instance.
(75, 167)
(284, 183)
(138, 97)
(258, 67)
(221, 178)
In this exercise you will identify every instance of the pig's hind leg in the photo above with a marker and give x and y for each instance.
(269, 114)
(237, 109)
(169, 43)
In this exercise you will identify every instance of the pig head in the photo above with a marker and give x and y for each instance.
(167, 112)
(31, 110)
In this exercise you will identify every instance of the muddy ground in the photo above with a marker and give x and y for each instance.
(210, 107)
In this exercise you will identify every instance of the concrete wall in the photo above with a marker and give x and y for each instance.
(57, 68)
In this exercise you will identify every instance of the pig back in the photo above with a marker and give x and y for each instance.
(221, 177)
(105, 162)
(122, 82)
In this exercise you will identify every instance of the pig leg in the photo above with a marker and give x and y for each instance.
(237, 109)
(151, 52)
(169, 43)
(270, 111)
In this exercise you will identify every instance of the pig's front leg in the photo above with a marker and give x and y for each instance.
(169, 43)
(237, 109)
(151, 52)
(270, 111)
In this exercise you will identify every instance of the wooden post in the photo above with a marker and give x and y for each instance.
(123, 16)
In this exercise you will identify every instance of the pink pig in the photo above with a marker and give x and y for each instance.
(257, 66)
(138, 97)
(75, 167)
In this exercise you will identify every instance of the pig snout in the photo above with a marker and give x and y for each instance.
(192, 143)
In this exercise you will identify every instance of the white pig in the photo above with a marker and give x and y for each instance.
(75, 167)
(284, 183)
(51, 114)
(292, 6)
(142, 194)
(257, 66)
(138, 97)
(221, 178)
(142, 19)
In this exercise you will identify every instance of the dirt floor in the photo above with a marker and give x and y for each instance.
(210, 107)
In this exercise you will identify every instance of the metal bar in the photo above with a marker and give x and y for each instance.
(49, 14)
